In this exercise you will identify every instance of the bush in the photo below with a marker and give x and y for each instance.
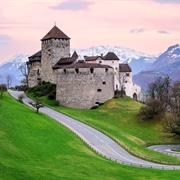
(152, 108)
(45, 89)
(20, 97)
(171, 124)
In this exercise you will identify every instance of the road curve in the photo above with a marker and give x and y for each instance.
(166, 149)
(99, 142)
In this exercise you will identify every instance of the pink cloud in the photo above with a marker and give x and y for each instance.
(105, 22)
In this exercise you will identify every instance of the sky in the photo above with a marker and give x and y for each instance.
(149, 26)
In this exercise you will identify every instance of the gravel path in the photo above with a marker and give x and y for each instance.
(99, 142)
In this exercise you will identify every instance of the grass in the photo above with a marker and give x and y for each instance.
(118, 118)
(33, 146)
(175, 150)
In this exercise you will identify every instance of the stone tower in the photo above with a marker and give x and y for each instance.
(54, 45)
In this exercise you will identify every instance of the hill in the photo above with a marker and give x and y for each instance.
(33, 146)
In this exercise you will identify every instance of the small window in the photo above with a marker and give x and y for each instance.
(106, 69)
(116, 68)
(127, 74)
(64, 71)
(124, 87)
(91, 70)
(125, 81)
(116, 86)
(104, 82)
(38, 73)
(99, 90)
(97, 103)
(112, 61)
(38, 79)
(77, 70)
(100, 62)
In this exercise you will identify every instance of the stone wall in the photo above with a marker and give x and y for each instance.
(82, 89)
(52, 51)
(34, 73)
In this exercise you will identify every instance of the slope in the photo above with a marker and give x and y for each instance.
(33, 146)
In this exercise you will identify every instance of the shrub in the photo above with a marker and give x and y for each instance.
(94, 107)
(171, 124)
(20, 97)
(152, 108)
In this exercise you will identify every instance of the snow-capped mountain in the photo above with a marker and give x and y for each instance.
(11, 68)
(137, 60)
(167, 64)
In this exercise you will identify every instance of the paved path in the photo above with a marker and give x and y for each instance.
(167, 149)
(95, 139)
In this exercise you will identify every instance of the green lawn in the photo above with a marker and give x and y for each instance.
(118, 117)
(33, 146)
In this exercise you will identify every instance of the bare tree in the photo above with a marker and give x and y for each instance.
(175, 100)
(24, 71)
(8, 81)
(37, 104)
(161, 89)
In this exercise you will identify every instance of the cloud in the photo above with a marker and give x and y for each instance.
(163, 32)
(4, 39)
(72, 5)
(168, 1)
(140, 30)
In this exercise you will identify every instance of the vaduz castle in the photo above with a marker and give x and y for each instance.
(80, 82)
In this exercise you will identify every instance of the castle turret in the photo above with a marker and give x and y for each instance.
(55, 45)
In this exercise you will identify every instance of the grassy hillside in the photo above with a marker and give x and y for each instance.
(118, 117)
(33, 146)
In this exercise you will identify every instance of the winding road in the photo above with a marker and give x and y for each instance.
(99, 142)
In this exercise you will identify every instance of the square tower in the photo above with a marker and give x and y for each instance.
(54, 45)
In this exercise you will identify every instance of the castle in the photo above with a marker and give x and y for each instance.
(80, 83)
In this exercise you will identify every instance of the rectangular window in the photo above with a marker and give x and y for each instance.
(104, 82)
(92, 70)
(99, 90)
(77, 71)
(127, 74)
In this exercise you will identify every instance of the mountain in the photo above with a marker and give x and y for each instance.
(167, 64)
(11, 68)
(138, 61)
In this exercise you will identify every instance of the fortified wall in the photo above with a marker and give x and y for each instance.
(84, 87)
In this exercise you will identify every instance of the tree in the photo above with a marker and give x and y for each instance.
(3, 89)
(171, 124)
(152, 108)
(37, 104)
(24, 71)
(8, 81)
(175, 94)
(161, 89)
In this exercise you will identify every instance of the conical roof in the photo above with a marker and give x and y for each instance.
(55, 32)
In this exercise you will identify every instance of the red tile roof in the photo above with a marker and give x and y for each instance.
(55, 32)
